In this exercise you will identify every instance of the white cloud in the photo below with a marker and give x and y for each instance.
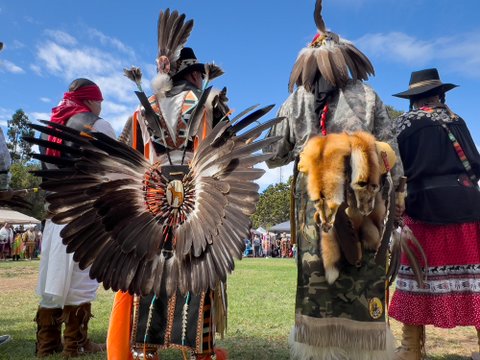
(61, 56)
(36, 69)
(36, 116)
(107, 40)
(459, 53)
(116, 86)
(61, 37)
(117, 120)
(45, 100)
(274, 176)
(8, 66)
(397, 46)
(5, 115)
(116, 114)
(75, 62)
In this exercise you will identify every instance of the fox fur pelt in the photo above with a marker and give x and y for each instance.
(346, 168)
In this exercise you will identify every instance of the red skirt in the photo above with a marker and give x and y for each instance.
(451, 296)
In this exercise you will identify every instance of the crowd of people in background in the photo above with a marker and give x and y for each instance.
(277, 245)
(20, 242)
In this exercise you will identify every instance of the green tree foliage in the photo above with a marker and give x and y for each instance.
(273, 206)
(17, 128)
(22, 179)
(392, 112)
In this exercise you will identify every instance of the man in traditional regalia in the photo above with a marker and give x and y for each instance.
(178, 88)
(340, 313)
(66, 291)
(161, 215)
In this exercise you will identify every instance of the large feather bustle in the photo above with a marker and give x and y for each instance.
(115, 225)
(173, 33)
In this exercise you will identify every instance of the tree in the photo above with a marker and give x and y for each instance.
(273, 206)
(23, 179)
(17, 128)
(392, 112)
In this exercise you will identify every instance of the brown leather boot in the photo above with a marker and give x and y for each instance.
(49, 331)
(75, 335)
(413, 341)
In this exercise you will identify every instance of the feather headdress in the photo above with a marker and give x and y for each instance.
(335, 59)
(173, 33)
(173, 58)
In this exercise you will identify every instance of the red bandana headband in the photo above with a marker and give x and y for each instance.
(72, 104)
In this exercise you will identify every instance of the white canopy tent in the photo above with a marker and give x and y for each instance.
(261, 230)
(282, 227)
(16, 217)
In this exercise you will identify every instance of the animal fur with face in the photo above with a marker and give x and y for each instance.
(323, 160)
(365, 165)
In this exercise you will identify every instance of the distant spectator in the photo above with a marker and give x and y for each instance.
(3, 240)
(28, 239)
(6, 237)
(284, 245)
(248, 248)
(38, 243)
(256, 246)
(17, 245)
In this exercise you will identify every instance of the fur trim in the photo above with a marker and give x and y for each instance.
(161, 84)
(348, 350)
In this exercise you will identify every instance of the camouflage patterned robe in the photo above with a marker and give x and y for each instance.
(345, 320)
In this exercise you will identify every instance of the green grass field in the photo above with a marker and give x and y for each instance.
(261, 313)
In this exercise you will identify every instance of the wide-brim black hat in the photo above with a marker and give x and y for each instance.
(186, 63)
(425, 81)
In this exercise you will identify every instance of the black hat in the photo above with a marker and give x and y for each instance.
(186, 63)
(424, 81)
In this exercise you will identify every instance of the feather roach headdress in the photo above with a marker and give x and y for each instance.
(335, 59)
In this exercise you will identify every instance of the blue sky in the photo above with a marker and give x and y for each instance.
(49, 43)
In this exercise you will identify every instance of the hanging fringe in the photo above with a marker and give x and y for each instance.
(356, 345)
(220, 307)
(338, 332)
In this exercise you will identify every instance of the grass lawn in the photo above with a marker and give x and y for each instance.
(261, 312)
